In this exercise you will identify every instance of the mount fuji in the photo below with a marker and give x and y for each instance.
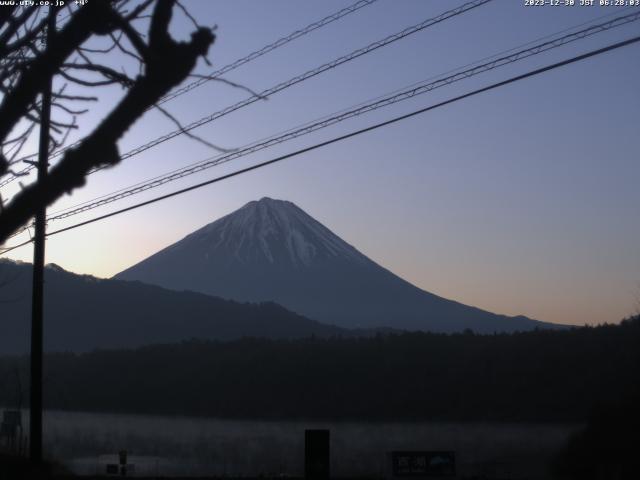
(271, 250)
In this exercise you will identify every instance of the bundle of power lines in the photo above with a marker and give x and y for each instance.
(499, 60)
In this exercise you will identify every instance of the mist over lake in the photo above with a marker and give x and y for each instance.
(163, 445)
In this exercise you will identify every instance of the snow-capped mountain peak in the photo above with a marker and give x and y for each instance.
(276, 230)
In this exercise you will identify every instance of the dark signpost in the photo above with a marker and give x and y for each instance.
(11, 424)
(122, 468)
(316, 455)
(122, 455)
(423, 464)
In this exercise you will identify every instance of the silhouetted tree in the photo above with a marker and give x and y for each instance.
(28, 62)
(607, 448)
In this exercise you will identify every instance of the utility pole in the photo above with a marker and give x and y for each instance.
(35, 410)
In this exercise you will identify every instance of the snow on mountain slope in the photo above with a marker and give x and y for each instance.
(278, 230)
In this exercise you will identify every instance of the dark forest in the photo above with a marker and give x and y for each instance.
(534, 376)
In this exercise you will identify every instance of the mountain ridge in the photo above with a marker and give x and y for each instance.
(273, 250)
(83, 313)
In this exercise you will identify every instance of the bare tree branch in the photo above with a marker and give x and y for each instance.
(166, 64)
(191, 135)
(231, 84)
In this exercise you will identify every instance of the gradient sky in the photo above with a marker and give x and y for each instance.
(523, 200)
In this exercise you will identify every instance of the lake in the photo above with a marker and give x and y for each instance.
(164, 446)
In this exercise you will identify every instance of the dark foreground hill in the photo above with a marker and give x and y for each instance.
(271, 250)
(532, 376)
(84, 313)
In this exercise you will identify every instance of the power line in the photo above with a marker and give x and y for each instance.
(327, 121)
(293, 81)
(266, 49)
(458, 69)
(233, 65)
(307, 75)
(376, 126)
(8, 249)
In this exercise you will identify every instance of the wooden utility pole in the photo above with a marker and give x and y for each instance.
(35, 411)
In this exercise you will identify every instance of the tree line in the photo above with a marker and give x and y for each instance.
(544, 375)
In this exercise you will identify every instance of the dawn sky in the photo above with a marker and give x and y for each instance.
(522, 200)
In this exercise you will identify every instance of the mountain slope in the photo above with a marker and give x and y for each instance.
(83, 313)
(272, 250)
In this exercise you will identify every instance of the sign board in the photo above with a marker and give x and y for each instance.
(11, 421)
(12, 417)
(120, 470)
(423, 464)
